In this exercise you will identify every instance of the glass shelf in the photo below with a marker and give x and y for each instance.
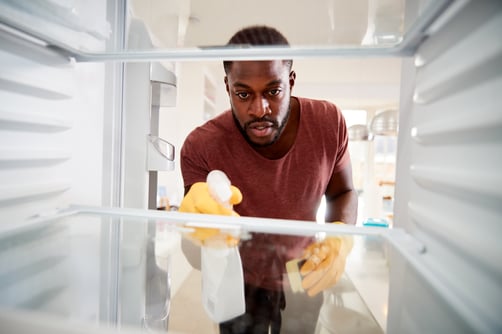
(198, 30)
(107, 267)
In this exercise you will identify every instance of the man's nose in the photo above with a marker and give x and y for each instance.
(260, 107)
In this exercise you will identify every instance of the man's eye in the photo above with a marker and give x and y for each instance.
(242, 95)
(274, 92)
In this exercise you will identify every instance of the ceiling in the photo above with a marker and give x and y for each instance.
(362, 83)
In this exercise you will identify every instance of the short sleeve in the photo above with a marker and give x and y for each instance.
(193, 165)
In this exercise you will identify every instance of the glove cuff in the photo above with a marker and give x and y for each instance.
(347, 241)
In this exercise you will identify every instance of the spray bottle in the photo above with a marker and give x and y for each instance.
(221, 267)
(219, 187)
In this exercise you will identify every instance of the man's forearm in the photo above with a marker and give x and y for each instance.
(342, 208)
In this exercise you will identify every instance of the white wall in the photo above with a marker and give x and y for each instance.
(176, 123)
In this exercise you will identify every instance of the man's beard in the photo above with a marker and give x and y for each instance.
(275, 125)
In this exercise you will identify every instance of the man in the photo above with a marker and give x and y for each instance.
(283, 153)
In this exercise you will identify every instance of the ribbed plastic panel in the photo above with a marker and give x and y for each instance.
(51, 147)
(50, 130)
(449, 180)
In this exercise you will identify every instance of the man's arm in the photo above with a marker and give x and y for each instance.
(187, 189)
(341, 197)
(325, 259)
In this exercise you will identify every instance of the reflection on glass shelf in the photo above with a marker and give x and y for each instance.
(343, 311)
(83, 28)
(112, 270)
(334, 22)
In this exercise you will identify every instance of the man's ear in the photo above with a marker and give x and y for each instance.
(226, 84)
(292, 78)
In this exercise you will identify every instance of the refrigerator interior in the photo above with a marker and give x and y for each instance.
(72, 133)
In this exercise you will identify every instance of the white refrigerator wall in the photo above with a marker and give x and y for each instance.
(51, 155)
(449, 185)
(51, 128)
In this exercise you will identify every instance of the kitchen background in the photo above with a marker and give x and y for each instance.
(361, 87)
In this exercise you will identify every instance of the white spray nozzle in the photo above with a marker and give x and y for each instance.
(219, 186)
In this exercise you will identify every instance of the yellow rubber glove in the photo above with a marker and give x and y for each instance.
(325, 263)
(199, 200)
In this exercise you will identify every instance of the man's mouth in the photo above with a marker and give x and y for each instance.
(261, 129)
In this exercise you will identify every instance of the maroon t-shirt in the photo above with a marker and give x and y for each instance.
(288, 188)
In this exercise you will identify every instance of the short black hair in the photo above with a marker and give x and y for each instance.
(257, 35)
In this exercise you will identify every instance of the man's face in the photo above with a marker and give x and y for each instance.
(260, 94)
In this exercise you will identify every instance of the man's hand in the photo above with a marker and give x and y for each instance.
(199, 200)
(325, 263)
